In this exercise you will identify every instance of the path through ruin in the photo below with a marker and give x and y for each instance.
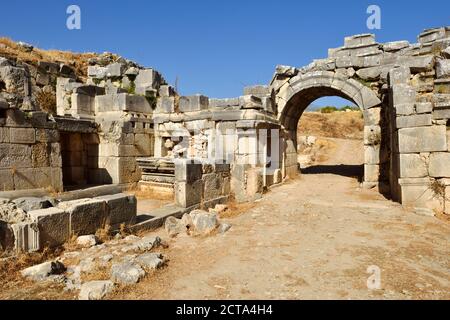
(312, 238)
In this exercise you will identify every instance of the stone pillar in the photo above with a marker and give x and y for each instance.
(420, 139)
(188, 183)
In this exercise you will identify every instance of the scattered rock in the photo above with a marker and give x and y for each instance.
(148, 243)
(87, 265)
(126, 273)
(44, 270)
(107, 258)
(174, 226)
(87, 241)
(95, 290)
(224, 227)
(29, 203)
(73, 279)
(11, 214)
(150, 261)
(131, 238)
(220, 208)
(25, 46)
(204, 222)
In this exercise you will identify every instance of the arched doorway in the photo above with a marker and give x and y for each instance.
(300, 91)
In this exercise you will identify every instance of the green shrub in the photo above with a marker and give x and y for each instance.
(328, 109)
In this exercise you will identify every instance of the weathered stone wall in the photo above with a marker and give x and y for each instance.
(52, 227)
(30, 152)
(403, 90)
(201, 185)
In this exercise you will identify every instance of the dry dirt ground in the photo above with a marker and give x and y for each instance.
(312, 238)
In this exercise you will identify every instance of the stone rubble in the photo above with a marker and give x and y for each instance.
(95, 290)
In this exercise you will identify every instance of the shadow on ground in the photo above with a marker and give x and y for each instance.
(350, 171)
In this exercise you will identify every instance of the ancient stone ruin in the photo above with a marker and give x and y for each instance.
(125, 124)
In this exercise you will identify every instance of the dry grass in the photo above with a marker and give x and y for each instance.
(71, 244)
(236, 209)
(101, 272)
(104, 234)
(347, 125)
(47, 101)
(10, 268)
(78, 61)
(147, 193)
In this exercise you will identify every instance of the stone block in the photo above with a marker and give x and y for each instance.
(6, 237)
(143, 144)
(431, 35)
(4, 135)
(250, 102)
(413, 166)
(15, 156)
(416, 192)
(53, 226)
(82, 104)
(372, 154)
(193, 103)
(185, 171)
(224, 103)
(419, 120)
(86, 215)
(372, 117)
(422, 139)
(395, 46)
(399, 75)
(420, 63)
(97, 72)
(121, 209)
(6, 180)
(254, 183)
(122, 102)
(47, 135)
(188, 194)
(441, 115)
(26, 237)
(165, 105)
(22, 135)
(371, 173)
(147, 78)
(424, 107)
(440, 165)
(166, 91)
(213, 184)
(360, 39)
(372, 135)
(404, 109)
(258, 90)
(403, 94)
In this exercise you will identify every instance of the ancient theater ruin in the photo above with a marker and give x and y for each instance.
(64, 171)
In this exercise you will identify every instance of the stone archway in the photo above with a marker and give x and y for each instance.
(301, 90)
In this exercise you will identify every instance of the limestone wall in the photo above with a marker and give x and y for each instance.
(30, 152)
(403, 90)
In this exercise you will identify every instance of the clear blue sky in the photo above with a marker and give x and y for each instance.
(214, 47)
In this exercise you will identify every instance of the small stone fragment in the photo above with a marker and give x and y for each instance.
(95, 290)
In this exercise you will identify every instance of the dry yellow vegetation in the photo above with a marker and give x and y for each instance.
(344, 125)
(79, 61)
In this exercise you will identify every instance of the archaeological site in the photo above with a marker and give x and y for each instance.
(103, 164)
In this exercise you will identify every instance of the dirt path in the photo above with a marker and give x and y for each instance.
(313, 238)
